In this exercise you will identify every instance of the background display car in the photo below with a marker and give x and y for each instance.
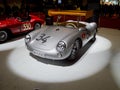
(16, 25)
(61, 41)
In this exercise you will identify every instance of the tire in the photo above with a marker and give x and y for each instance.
(4, 36)
(37, 26)
(75, 50)
(94, 36)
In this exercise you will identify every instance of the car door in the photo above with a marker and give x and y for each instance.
(26, 25)
(14, 25)
(84, 36)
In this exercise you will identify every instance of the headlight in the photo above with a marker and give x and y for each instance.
(61, 46)
(27, 38)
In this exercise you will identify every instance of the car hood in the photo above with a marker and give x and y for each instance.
(3, 23)
(49, 36)
(7, 22)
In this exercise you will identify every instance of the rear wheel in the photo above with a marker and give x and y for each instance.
(94, 36)
(4, 35)
(37, 26)
(75, 50)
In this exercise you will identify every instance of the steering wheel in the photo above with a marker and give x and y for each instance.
(18, 18)
(71, 25)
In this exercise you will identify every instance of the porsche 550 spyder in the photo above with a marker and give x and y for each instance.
(62, 41)
(16, 25)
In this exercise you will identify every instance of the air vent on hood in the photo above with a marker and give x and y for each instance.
(57, 29)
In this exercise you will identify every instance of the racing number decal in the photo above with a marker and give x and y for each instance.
(83, 35)
(26, 26)
(43, 37)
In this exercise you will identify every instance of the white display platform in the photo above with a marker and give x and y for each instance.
(12, 45)
(115, 67)
(95, 59)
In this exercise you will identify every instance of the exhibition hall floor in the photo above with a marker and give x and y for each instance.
(97, 68)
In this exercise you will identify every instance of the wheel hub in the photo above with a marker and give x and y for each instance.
(3, 36)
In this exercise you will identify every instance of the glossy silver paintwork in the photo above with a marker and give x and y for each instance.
(43, 42)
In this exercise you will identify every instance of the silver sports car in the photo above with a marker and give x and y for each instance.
(62, 41)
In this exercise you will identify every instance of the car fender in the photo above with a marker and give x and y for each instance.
(71, 39)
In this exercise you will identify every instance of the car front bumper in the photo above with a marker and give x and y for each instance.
(50, 54)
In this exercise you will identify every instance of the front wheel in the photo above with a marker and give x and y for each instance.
(75, 50)
(3, 36)
(37, 26)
